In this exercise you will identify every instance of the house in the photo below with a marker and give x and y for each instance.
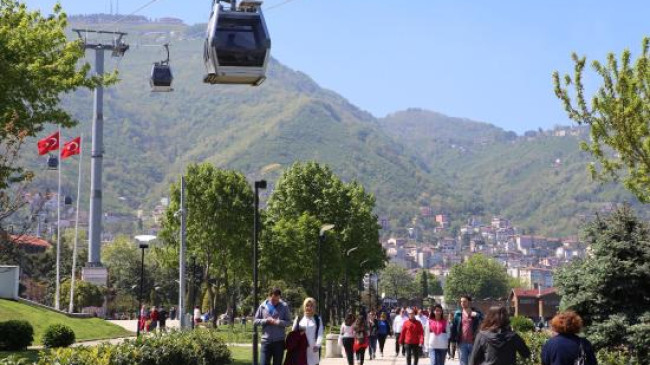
(30, 244)
(534, 303)
(535, 276)
(442, 220)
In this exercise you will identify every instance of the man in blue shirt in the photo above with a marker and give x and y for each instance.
(273, 316)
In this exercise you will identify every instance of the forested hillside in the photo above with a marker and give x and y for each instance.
(409, 159)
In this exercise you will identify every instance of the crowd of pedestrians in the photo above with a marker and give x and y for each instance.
(154, 318)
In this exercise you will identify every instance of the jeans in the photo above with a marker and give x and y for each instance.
(382, 341)
(412, 352)
(273, 350)
(451, 350)
(437, 356)
(372, 348)
(465, 351)
(348, 344)
(397, 344)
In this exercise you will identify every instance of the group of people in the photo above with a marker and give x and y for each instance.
(155, 318)
(480, 340)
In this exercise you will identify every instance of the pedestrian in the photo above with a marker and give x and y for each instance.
(346, 337)
(197, 315)
(153, 323)
(312, 326)
(162, 320)
(383, 331)
(372, 334)
(172, 313)
(451, 349)
(566, 348)
(423, 317)
(437, 337)
(142, 318)
(273, 315)
(397, 328)
(496, 343)
(412, 337)
(465, 327)
(360, 338)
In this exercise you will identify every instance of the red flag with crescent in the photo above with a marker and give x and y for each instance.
(49, 143)
(71, 148)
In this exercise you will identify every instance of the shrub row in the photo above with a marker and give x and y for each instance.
(174, 348)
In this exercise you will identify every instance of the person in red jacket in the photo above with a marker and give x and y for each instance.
(412, 338)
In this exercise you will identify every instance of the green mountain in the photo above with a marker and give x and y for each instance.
(409, 159)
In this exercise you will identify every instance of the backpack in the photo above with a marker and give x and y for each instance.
(582, 358)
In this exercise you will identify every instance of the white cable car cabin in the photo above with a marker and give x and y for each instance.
(161, 75)
(238, 45)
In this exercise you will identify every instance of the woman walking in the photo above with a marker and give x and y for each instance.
(496, 343)
(567, 347)
(346, 337)
(383, 330)
(311, 325)
(412, 337)
(360, 338)
(437, 337)
(372, 334)
(397, 327)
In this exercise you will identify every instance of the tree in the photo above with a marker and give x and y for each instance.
(610, 288)
(220, 206)
(86, 294)
(37, 66)
(618, 116)
(422, 278)
(479, 276)
(396, 282)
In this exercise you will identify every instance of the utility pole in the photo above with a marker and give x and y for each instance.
(181, 279)
(94, 272)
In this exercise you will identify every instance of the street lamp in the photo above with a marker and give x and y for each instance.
(321, 239)
(144, 244)
(346, 294)
(261, 184)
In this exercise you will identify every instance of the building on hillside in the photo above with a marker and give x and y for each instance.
(442, 220)
(534, 303)
(30, 244)
(536, 277)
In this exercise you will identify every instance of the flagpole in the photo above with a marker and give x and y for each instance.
(76, 230)
(57, 302)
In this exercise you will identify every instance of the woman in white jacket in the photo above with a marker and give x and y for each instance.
(436, 336)
(312, 325)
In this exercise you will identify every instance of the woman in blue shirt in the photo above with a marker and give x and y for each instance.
(567, 347)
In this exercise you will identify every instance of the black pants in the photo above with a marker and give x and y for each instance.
(382, 341)
(360, 355)
(273, 350)
(412, 351)
(397, 344)
(348, 344)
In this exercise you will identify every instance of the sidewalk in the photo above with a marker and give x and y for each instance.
(388, 359)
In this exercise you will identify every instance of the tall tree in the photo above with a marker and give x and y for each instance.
(618, 116)
(610, 288)
(396, 282)
(219, 205)
(479, 276)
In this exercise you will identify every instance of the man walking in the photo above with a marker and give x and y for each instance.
(465, 326)
(273, 316)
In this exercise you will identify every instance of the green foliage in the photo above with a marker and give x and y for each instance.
(609, 289)
(479, 276)
(534, 341)
(618, 116)
(193, 347)
(14, 360)
(86, 294)
(522, 324)
(396, 282)
(58, 335)
(16, 335)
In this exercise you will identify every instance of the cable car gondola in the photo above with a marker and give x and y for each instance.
(238, 45)
(161, 75)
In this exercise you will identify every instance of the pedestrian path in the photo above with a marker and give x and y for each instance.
(388, 359)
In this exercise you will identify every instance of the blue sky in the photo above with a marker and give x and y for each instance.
(484, 60)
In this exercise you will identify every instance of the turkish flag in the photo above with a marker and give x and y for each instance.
(71, 148)
(49, 143)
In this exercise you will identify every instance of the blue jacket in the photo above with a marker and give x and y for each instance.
(564, 349)
(457, 325)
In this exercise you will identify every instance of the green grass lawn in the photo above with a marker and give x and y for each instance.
(241, 355)
(40, 319)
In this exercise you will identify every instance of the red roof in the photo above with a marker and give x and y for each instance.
(533, 293)
(29, 240)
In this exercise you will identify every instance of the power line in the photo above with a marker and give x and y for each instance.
(151, 2)
(279, 5)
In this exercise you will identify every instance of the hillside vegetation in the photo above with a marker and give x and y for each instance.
(408, 159)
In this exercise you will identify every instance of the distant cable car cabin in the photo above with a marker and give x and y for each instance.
(161, 75)
(237, 45)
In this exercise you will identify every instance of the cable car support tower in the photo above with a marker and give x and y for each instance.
(94, 271)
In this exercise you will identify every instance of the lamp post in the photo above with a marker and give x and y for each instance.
(321, 239)
(144, 244)
(261, 184)
(346, 289)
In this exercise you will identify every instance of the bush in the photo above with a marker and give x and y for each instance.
(58, 335)
(522, 324)
(193, 348)
(16, 335)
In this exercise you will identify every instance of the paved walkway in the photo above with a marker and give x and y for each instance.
(388, 359)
